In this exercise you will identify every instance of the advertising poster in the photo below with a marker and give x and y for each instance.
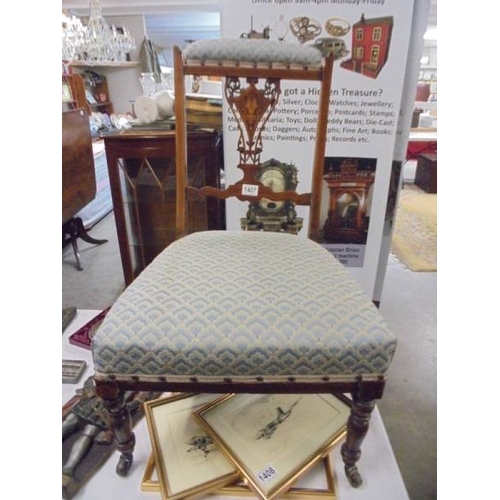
(370, 39)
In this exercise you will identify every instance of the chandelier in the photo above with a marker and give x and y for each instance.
(96, 43)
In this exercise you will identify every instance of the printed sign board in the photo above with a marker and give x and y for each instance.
(370, 39)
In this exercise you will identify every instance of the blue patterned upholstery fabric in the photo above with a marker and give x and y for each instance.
(219, 304)
(254, 51)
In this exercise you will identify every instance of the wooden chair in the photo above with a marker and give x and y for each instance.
(245, 311)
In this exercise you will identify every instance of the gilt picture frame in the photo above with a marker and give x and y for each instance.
(273, 439)
(327, 489)
(180, 446)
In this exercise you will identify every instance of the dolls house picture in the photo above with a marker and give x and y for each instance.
(370, 43)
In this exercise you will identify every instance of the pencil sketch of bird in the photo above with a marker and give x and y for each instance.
(268, 430)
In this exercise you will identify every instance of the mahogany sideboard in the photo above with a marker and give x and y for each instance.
(141, 166)
(78, 176)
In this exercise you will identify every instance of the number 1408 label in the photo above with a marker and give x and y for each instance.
(267, 474)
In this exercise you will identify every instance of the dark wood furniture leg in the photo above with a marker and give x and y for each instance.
(74, 229)
(357, 427)
(82, 233)
(120, 421)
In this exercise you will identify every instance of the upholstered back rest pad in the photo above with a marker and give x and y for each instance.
(239, 304)
(252, 51)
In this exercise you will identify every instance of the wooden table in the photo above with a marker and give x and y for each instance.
(78, 178)
(141, 166)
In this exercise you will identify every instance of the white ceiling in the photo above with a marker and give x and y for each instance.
(167, 22)
(166, 30)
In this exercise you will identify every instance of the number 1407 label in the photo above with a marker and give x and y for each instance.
(267, 474)
(250, 190)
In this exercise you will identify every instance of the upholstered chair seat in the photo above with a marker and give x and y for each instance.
(220, 305)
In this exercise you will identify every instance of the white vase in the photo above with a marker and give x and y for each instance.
(165, 103)
(280, 28)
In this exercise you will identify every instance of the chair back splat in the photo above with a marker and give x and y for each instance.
(252, 106)
(246, 311)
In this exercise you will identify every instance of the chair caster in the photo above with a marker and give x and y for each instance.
(353, 476)
(124, 464)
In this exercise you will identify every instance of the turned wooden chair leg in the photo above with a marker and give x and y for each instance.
(120, 421)
(357, 427)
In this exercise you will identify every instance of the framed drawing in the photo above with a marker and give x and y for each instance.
(326, 489)
(273, 439)
(180, 447)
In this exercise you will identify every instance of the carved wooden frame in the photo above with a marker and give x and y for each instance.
(250, 123)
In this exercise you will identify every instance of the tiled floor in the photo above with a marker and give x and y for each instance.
(408, 304)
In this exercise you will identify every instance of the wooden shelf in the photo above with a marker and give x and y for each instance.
(78, 94)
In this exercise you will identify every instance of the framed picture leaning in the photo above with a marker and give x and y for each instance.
(180, 447)
(274, 438)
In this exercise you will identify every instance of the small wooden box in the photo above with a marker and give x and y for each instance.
(426, 174)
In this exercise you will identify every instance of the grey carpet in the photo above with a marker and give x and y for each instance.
(101, 281)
